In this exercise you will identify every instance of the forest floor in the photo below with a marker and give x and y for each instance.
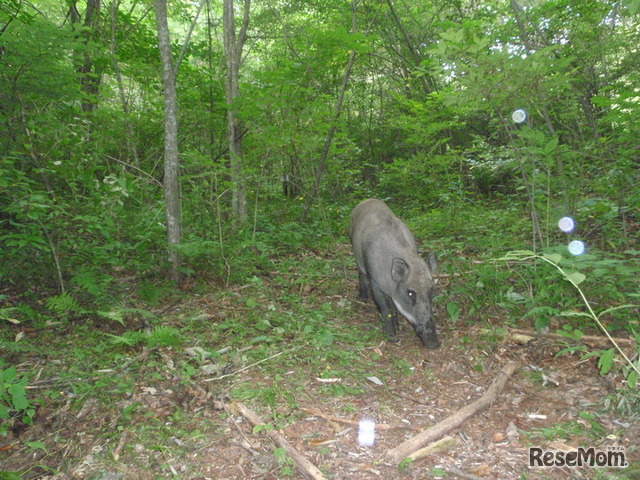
(172, 411)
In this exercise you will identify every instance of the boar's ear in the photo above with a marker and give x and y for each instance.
(399, 269)
(432, 263)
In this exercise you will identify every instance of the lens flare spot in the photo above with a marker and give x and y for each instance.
(577, 247)
(519, 116)
(566, 224)
(366, 432)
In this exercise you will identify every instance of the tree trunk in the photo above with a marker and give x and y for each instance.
(427, 81)
(233, 52)
(90, 76)
(322, 162)
(131, 142)
(171, 159)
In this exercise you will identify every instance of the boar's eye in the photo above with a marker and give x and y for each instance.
(412, 296)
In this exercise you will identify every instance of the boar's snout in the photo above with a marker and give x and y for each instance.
(429, 337)
(431, 342)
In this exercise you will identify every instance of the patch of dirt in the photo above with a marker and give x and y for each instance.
(169, 427)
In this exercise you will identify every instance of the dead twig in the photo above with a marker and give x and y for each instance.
(121, 443)
(433, 433)
(247, 444)
(247, 367)
(300, 460)
(331, 418)
(441, 445)
(584, 338)
(463, 474)
(54, 380)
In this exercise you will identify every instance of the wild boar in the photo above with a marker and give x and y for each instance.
(388, 262)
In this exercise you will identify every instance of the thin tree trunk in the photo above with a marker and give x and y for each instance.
(233, 51)
(171, 158)
(90, 76)
(322, 162)
(428, 84)
(517, 14)
(131, 143)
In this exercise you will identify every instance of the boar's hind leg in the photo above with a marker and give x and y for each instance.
(387, 311)
(363, 289)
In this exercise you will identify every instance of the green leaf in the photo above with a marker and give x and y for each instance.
(605, 362)
(540, 322)
(5, 311)
(251, 303)
(453, 310)
(619, 307)
(574, 314)
(324, 337)
(265, 426)
(405, 465)
(18, 398)
(115, 315)
(280, 453)
(129, 339)
(633, 6)
(9, 375)
(63, 304)
(575, 277)
(555, 258)
(551, 145)
(36, 446)
(10, 476)
(164, 336)
(263, 325)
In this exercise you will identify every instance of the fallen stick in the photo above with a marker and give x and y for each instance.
(438, 430)
(583, 338)
(445, 443)
(332, 418)
(300, 460)
(246, 367)
(461, 474)
(45, 383)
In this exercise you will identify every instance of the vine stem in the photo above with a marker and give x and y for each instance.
(592, 314)
(54, 253)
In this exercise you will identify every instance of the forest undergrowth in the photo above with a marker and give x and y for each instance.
(145, 388)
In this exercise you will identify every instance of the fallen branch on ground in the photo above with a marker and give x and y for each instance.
(247, 367)
(461, 474)
(45, 383)
(331, 418)
(435, 432)
(441, 445)
(583, 338)
(300, 460)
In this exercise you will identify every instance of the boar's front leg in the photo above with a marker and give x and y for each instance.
(387, 311)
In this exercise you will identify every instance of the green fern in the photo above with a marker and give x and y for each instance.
(164, 337)
(63, 304)
(129, 339)
(159, 337)
(91, 281)
(118, 314)
(7, 315)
